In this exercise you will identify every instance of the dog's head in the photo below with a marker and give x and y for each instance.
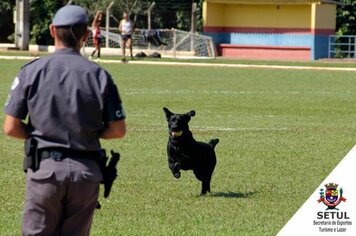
(178, 123)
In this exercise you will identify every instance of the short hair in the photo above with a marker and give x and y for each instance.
(70, 35)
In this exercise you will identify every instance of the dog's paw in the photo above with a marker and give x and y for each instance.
(177, 175)
(176, 166)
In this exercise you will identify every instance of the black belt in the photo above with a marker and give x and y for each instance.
(59, 154)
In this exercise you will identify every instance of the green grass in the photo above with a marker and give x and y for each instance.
(281, 132)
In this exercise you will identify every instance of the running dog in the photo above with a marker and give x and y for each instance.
(185, 153)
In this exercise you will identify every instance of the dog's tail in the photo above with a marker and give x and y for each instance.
(213, 142)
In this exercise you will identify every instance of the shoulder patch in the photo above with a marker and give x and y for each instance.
(15, 83)
(120, 113)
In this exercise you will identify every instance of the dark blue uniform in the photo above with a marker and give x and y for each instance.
(68, 101)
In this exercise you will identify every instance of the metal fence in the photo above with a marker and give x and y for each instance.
(342, 46)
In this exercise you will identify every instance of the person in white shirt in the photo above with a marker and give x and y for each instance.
(126, 28)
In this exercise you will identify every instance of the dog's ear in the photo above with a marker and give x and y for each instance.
(191, 113)
(167, 112)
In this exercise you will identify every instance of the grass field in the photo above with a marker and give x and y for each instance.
(281, 133)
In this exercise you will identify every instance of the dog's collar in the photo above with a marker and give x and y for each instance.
(176, 133)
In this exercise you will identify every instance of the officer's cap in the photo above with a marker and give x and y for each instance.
(70, 15)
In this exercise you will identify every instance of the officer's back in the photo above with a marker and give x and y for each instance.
(70, 103)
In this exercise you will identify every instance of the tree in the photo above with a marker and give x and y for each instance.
(199, 16)
(172, 14)
(41, 15)
(6, 19)
(346, 18)
(135, 8)
(93, 6)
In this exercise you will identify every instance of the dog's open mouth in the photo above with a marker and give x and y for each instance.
(176, 133)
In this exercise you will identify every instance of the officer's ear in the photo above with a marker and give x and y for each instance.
(52, 30)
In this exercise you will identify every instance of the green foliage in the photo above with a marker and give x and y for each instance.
(7, 5)
(6, 20)
(41, 14)
(136, 10)
(199, 16)
(346, 18)
(93, 6)
(277, 129)
(183, 20)
(172, 14)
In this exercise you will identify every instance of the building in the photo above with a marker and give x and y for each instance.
(270, 29)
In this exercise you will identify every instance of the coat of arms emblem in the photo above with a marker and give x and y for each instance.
(331, 196)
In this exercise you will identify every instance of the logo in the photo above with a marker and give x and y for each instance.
(331, 196)
(15, 83)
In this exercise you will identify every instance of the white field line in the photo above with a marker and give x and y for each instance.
(242, 66)
(198, 128)
(279, 67)
(225, 92)
(18, 57)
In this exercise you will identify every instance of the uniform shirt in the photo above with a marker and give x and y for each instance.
(69, 100)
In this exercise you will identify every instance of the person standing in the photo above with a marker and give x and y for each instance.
(70, 104)
(96, 33)
(126, 29)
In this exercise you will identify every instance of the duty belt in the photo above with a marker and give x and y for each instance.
(59, 154)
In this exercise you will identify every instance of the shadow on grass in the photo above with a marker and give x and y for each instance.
(230, 194)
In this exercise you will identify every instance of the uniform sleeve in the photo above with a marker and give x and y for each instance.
(16, 104)
(113, 108)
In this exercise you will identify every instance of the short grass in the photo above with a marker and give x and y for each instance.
(281, 132)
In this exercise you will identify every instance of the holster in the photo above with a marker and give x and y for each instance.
(102, 160)
(108, 170)
(32, 158)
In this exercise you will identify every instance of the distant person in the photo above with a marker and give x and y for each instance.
(126, 28)
(96, 33)
(62, 105)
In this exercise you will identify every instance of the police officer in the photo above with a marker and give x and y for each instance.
(70, 103)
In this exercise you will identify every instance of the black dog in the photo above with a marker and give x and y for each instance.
(184, 153)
